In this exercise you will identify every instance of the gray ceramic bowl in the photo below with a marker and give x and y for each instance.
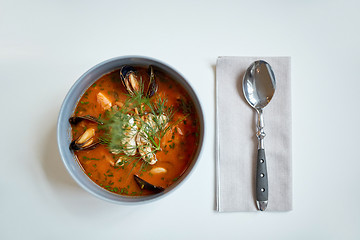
(64, 128)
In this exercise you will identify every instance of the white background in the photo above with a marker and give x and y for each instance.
(46, 45)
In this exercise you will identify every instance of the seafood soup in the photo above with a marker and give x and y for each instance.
(135, 131)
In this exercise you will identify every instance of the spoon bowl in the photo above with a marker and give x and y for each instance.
(259, 87)
(259, 84)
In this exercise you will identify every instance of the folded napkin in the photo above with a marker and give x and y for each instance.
(236, 142)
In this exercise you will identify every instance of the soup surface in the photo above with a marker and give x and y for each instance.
(153, 137)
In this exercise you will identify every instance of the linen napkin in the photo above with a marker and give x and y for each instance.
(236, 142)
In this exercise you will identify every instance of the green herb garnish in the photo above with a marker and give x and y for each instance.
(151, 119)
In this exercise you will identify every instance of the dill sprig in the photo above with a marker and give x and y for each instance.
(152, 118)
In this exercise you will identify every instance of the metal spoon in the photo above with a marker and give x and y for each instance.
(259, 87)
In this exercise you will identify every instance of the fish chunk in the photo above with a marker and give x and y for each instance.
(128, 141)
(104, 101)
(151, 123)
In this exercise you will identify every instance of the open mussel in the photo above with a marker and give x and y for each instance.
(147, 186)
(85, 141)
(152, 86)
(76, 120)
(132, 81)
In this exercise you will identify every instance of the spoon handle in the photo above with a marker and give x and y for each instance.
(262, 189)
(261, 181)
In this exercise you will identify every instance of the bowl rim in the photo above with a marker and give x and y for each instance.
(99, 192)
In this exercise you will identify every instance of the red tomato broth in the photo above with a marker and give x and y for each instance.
(179, 144)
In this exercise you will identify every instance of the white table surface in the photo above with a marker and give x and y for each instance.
(46, 45)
